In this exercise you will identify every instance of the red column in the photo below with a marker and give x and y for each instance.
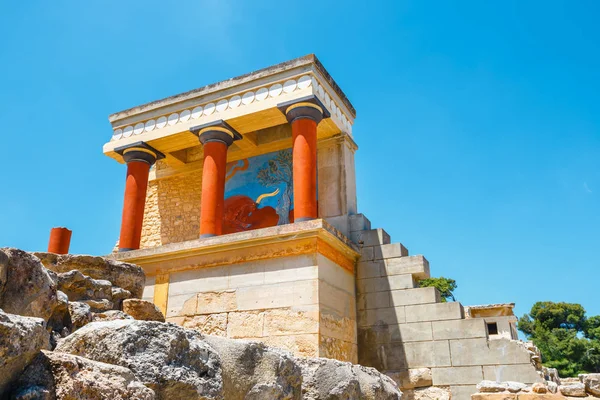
(139, 158)
(213, 188)
(133, 205)
(60, 240)
(304, 136)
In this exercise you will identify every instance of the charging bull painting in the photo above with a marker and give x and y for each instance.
(259, 192)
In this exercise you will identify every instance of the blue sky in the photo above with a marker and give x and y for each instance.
(478, 122)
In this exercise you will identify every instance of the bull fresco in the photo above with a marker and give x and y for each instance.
(258, 192)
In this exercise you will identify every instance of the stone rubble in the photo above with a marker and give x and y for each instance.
(585, 386)
(108, 344)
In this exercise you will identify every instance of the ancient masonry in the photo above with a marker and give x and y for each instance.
(240, 205)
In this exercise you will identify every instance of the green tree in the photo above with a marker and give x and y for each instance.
(568, 340)
(446, 286)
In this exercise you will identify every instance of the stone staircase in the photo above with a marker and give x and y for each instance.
(407, 332)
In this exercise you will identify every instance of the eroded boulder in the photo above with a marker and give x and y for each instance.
(54, 375)
(78, 286)
(28, 289)
(175, 362)
(121, 274)
(331, 379)
(21, 338)
(142, 310)
(592, 383)
(80, 314)
(251, 370)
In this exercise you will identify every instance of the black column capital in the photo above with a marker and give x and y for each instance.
(216, 131)
(139, 151)
(306, 107)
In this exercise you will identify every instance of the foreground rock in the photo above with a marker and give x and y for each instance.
(331, 379)
(21, 338)
(142, 310)
(63, 376)
(27, 288)
(124, 275)
(252, 371)
(176, 363)
(592, 383)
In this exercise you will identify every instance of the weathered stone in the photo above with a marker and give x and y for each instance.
(121, 274)
(111, 315)
(77, 286)
(552, 386)
(4, 261)
(176, 363)
(99, 305)
(331, 379)
(285, 321)
(515, 387)
(591, 382)
(60, 318)
(539, 388)
(573, 390)
(119, 294)
(491, 386)
(412, 378)
(215, 302)
(253, 371)
(209, 324)
(20, 340)
(63, 376)
(80, 314)
(494, 396)
(142, 310)
(29, 289)
(244, 324)
(428, 393)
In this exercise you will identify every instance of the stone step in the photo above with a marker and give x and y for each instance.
(417, 266)
(359, 222)
(397, 298)
(371, 237)
(385, 283)
(391, 250)
(434, 312)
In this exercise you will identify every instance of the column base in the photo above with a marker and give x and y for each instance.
(302, 219)
(121, 250)
(207, 235)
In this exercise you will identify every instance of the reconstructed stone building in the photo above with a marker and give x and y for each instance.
(240, 205)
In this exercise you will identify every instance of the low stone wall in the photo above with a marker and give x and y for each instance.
(585, 386)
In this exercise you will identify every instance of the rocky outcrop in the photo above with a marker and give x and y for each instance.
(142, 310)
(124, 275)
(20, 340)
(54, 375)
(176, 363)
(28, 289)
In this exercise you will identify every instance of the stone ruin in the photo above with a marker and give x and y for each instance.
(240, 208)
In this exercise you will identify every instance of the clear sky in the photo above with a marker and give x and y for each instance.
(478, 121)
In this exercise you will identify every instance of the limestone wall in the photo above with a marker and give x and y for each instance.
(407, 332)
(303, 303)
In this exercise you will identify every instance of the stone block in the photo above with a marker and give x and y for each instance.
(369, 269)
(246, 274)
(540, 396)
(295, 320)
(342, 302)
(341, 223)
(373, 237)
(374, 300)
(245, 324)
(289, 269)
(491, 396)
(415, 332)
(480, 351)
(525, 373)
(388, 316)
(417, 265)
(457, 376)
(337, 349)
(334, 326)
(210, 324)
(199, 280)
(334, 275)
(406, 297)
(184, 304)
(412, 378)
(385, 283)
(459, 329)
(434, 312)
(285, 294)
(391, 250)
(359, 222)
(463, 392)
(216, 302)
(427, 354)
(367, 254)
(306, 345)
